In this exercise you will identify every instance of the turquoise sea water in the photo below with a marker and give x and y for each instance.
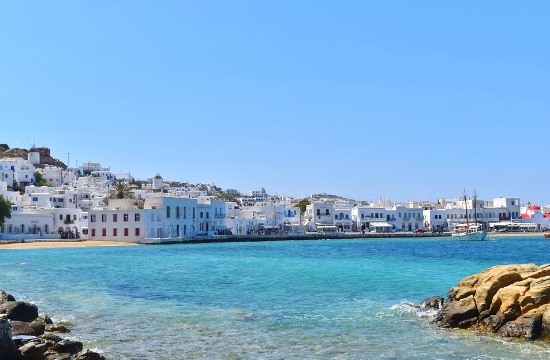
(342, 299)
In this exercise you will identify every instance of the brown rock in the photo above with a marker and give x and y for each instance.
(546, 323)
(89, 355)
(458, 314)
(19, 310)
(528, 327)
(55, 356)
(435, 302)
(537, 295)
(67, 346)
(491, 323)
(33, 350)
(34, 328)
(512, 300)
(495, 278)
(4, 297)
(57, 328)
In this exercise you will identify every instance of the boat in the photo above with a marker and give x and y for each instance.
(470, 232)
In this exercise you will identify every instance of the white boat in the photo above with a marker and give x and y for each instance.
(470, 232)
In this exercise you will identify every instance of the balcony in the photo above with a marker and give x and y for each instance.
(219, 215)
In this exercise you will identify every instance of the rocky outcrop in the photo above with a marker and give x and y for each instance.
(25, 336)
(509, 300)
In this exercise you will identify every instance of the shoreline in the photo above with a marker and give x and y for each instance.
(63, 244)
(97, 243)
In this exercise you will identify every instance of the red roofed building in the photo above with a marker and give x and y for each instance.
(533, 214)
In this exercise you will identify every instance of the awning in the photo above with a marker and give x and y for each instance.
(380, 224)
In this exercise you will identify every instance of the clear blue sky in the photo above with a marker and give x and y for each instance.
(400, 99)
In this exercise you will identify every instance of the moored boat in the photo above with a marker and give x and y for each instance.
(470, 232)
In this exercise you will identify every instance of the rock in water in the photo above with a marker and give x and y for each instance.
(19, 310)
(435, 302)
(510, 300)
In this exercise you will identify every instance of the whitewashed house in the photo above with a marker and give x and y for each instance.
(343, 219)
(159, 218)
(17, 171)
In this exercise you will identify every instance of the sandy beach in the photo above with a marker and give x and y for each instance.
(515, 234)
(62, 244)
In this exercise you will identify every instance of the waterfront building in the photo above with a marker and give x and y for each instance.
(157, 217)
(406, 218)
(318, 214)
(485, 212)
(42, 223)
(435, 220)
(533, 214)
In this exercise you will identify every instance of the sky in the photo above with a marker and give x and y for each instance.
(406, 100)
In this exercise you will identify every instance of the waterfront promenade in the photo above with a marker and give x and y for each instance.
(34, 244)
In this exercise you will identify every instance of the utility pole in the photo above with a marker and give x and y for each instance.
(68, 162)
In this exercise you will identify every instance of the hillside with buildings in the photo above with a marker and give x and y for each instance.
(90, 201)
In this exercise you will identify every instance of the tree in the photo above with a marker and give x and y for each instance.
(5, 210)
(302, 205)
(121, 190)
(4, 147)
(40, 181)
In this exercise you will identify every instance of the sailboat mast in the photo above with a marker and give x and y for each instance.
(475, 208)
(466, 207)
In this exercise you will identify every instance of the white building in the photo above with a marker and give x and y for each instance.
(160, 218)
(534, 215)
(42, 223)
(17, 172)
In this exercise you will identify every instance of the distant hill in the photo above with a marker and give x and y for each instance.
(24, 153)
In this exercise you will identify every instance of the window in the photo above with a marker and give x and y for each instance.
(185, 213)
(115, 232)
(103, 218)
(93, 232)
(136, 216)
(115, 217)
(200, 215)
(193, 213)
(35, 198)
(125, 231)
(327, 213)
(207, 214)
(318, 211)
(168, 211)
(125, 217)
(137, 231)
(104, 232)
(177, 212)
(60, 216)
(74, 217)
(92, 218)
(362, 216)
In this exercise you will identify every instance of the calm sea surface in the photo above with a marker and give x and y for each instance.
(342, 299)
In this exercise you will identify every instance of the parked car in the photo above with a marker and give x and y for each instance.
(419, 231)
